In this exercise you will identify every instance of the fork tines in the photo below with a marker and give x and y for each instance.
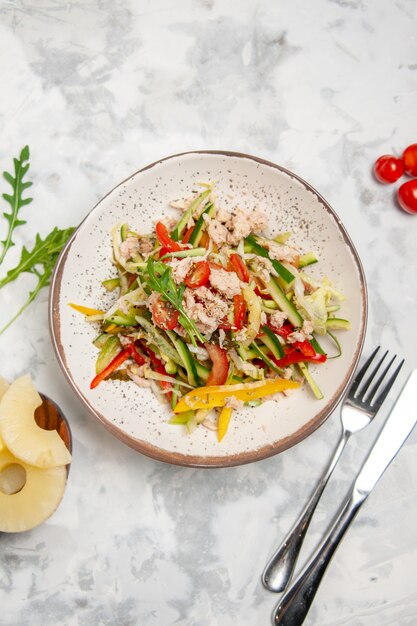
(370, 395)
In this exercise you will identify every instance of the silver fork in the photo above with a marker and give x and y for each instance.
(359, 407)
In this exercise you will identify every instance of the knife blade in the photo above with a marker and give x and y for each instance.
(398, 426)
(294, 605)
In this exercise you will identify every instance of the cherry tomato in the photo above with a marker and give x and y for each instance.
(198, 275)
(164, 239)
(410, 160)
(388, 169)
(238, 266)
(240, 311)
(164, 315)
(407, 196)
(220, 369)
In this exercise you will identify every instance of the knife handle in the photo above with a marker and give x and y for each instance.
(294, 605)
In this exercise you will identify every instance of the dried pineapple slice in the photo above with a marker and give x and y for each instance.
(37, 499)
(20, 432)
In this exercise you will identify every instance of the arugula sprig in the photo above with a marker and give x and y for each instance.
(15, 200)
(160, 280)
(40, 262)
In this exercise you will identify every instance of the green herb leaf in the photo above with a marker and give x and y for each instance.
(15, 200)
(160, 280)
(40, 262)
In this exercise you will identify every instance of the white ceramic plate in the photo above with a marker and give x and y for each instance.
(134, 415)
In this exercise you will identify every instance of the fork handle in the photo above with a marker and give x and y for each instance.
(296, 601)
(280, 567)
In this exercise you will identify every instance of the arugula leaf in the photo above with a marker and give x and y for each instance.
(40, 262)
(16, 201)
(160, 280)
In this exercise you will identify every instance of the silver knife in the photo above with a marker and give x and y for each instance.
(297, 599)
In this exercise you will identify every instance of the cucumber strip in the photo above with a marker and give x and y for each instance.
(332, 308)
(100, 340)
(158, 339)
(261, 354)
(124, 231)
(183, 221)
(285, 274)
(269, 305)
(283, 303)
(111, 284)
(337, 323)
(307, 259)
(313, 385)
(339, 347)
(121, 320)
(317, 347)
(200, 226)
(187, 360)
(171, 367)
(246, 353)
(111, 348)
(181, 418)
(273, 343)
(182, 254)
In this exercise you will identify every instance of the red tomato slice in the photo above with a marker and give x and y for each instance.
(407, 196)
(164, 315)
(239, 267)
(198, 275)
(164, 239)
(220, 369)
(240, 310)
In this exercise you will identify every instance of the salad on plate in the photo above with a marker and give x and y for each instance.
(212, 313)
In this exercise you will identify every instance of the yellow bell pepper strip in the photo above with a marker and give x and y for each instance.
(224, 421)
(85, 310)
(216, 395)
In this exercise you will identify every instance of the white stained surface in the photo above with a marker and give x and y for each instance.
(101, 89)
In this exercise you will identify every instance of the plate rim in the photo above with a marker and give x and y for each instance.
(185, 460)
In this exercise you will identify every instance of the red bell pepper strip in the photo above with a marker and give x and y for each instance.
(305, 348)
(164, 238)
(295, 356)
(283, 331)
(240, 310)
(136, 356)
(112, 366)
(186, 236)
(220, 369)
(238, 266)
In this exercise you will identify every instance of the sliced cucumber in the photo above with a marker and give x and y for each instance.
(337, 323)
(110, 349)
(272, 342)
(158, 338)
(100, 340)
(307, 259)
(182, 254)
(124, 231)
(183, 221)
(284, 304)
(285, 274)
(187, 360)
(201, 224)
(111, 284)
(261, 354)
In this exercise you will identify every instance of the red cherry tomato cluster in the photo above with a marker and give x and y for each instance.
(388, 169)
